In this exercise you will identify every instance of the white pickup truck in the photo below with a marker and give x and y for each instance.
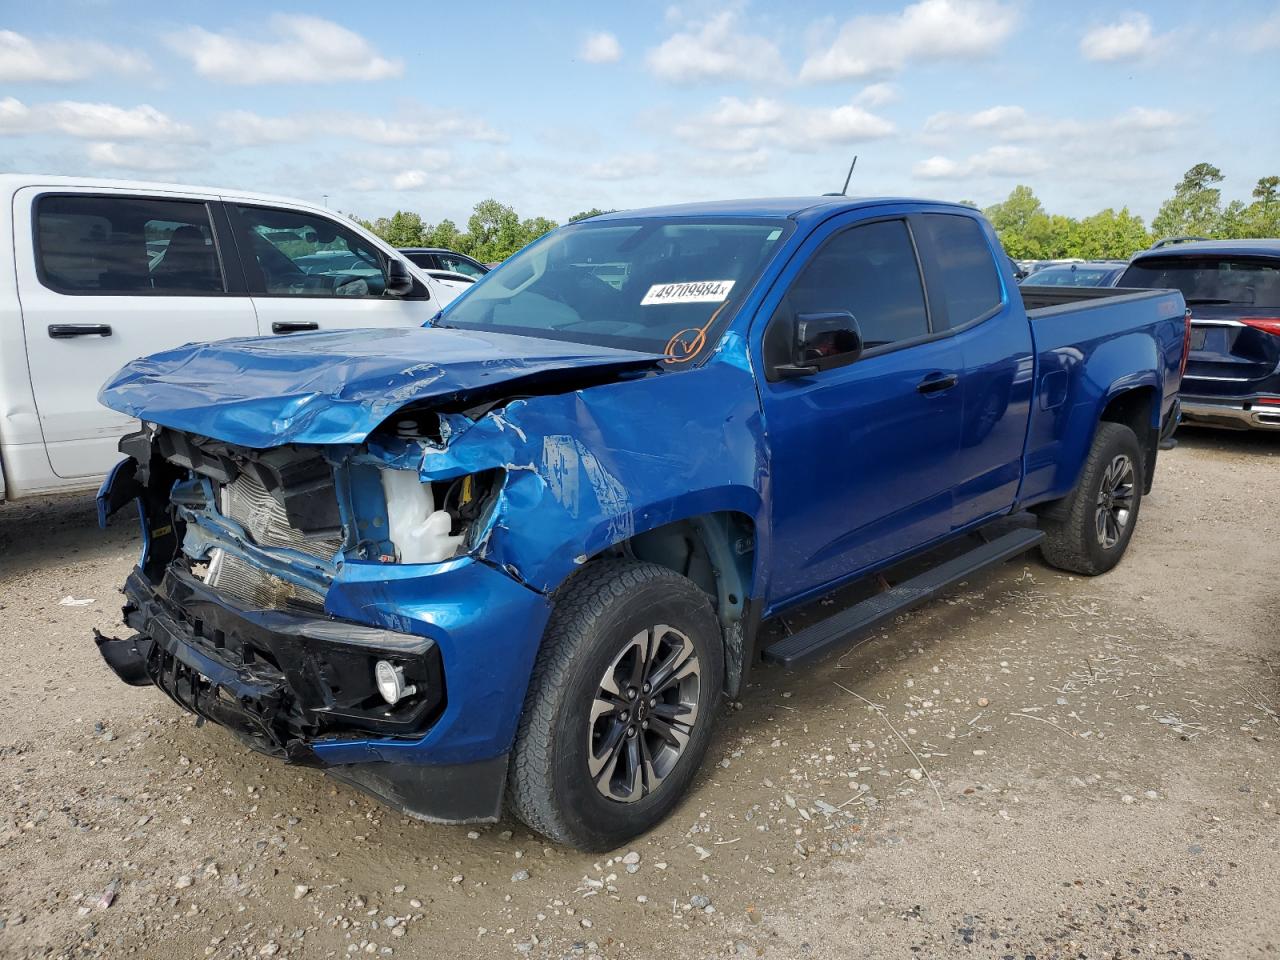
(104, 271)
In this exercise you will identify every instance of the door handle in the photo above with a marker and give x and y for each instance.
(65, 331)
(294, 326)
(937, 382)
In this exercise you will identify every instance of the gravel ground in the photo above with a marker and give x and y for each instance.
(1038, 766)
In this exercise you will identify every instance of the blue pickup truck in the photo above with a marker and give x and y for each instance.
(516, 558)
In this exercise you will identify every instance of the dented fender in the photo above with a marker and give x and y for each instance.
(591, 468)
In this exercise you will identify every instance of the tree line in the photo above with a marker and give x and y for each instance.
(495, 231)
(1195, 209)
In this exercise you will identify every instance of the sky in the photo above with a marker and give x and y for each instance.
(557, 107)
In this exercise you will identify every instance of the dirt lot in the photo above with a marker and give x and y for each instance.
(1039, 766)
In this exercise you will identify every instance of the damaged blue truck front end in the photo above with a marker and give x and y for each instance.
(349, 555)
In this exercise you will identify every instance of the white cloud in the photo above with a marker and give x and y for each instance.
(936, 168)
(732, 112)
(303, 50)
(417, 126)
(741, 125)
(92, 121)
(61, 60)
(400, 170)
(139, 158)
(1145, 118)
(1129, 38)
(1000, 161)
(601, 48)
(1002, 122)
(845, 124)
(876, 95)
(1082, 151)
(624, 166)
(740, 164)
(715, 49)
(1261, 35)
(930, 29)
(1007, 122)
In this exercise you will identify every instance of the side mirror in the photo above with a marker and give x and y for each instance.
(821, 341)
(399, 279)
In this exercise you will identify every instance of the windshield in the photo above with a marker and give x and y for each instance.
(1209, 280)
(661, 286)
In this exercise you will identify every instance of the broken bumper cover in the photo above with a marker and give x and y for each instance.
(290, 685)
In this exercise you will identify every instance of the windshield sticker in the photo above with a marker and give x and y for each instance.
(701, 291)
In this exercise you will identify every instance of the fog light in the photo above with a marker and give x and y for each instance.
(391, 685)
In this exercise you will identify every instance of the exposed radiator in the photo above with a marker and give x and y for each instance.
(247, 502)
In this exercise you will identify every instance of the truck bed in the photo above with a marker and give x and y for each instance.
(1108, 332)
(1041, 301)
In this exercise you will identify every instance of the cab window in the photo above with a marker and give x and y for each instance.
(449, 261)
(126, 246)
(294, 253)
(970, 284)
(870, 271)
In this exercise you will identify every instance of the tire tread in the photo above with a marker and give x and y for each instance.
(578, 606)
(1068, 523)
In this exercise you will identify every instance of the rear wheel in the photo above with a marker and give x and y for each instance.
(620, 706)
(1089, 530)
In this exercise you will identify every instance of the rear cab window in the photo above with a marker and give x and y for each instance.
(130, 246)
(969, 280)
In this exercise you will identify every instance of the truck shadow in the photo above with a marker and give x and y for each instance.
(1245, 442)
(45, 534)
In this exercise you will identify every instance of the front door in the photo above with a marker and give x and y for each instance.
(108, 277)
(861, 455)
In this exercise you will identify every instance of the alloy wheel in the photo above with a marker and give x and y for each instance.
(1115, 501)
(643, 713)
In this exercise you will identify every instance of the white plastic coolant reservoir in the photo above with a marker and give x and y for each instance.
(419, 531)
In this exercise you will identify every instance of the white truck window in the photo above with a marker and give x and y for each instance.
(127, 246)
(302, 254)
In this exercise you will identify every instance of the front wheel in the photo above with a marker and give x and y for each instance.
(620, 706)
(1090, 529)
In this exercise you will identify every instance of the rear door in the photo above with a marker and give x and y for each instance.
(105, 277)
(994, 338)
(307, 271)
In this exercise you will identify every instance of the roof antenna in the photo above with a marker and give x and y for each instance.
(845, 191)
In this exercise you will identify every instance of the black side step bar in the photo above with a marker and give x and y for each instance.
(849, 624)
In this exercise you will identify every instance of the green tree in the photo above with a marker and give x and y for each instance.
(535, 227)
(593, 212)
(401, 229)
(494, 230)
(1262, 217)
(1025, 229)
(1110, 235)
(1195, 207)
(447, 235)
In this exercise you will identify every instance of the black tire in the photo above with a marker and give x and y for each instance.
(1073, 526)
(597, 617)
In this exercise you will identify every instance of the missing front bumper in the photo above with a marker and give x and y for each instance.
(283, 682)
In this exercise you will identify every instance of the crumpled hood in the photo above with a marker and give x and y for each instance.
(333, 387)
